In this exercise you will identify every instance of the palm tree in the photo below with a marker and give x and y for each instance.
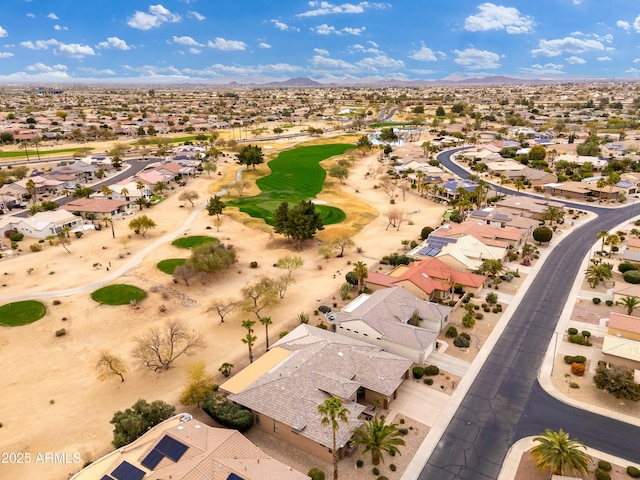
(612, 240)
(598, 273)
(600, 184)
(481, 190)
(562, 455)
(493, 268)
(332, 410)
(249, 339)
(378, 437)
(612, 180)
(31, 189)
(603, 235)
(630, 303)
(125, 192)
(419, 178)
(160, 187)
(553, 214)
(266, 321)
(519, 184)
(362, 271)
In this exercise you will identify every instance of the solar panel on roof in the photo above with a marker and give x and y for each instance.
(106, 477)
(501, 217)
(479, 213)
(152, 460)
(126, 471)
(172, 448)
(233, 476)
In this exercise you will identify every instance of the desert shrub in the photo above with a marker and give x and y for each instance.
(604, 465)
(602, 475)
(403, 431)
(16, 236)
(35, 247)
(461, 342)
(424, 233)
(452, 332)
(633, 472)
(579, 339)
(574, 385)
(57, 302)
(316, 474)
(61, 333)
(359, 463)
(431, 370)
(466, 335)
(609, 303)
(468, 320)
(624, 267)
(479, 316)
(324, 309)
(428, 381)
(227, 413)
(376, 471)
(572, 331)
(569, 359)
(418, 372)
(392, 467)
(632, 276)
(585, 333)
(492, 298)
(351, 278)
(253, 264)
(577, 369)
(596, 300)
(382, 477)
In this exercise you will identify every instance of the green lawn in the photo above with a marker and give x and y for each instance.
(193, 241)
(169, 265)
(21, 313)
(33, 155)
(296, 175)
(118, 294)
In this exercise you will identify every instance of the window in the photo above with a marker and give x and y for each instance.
(257, 418)
(276, 427)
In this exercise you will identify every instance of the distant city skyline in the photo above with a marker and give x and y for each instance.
(218, 41)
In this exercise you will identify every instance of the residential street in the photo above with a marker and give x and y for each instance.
(505, 402)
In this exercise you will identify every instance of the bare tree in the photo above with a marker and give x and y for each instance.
(282, 284)
(222, 306)
(240, 186)
(158, 348)
(189, 195)
(259, 295)
(388, 185)
(290, 264)
(395, 218)
(343, 242)
(404, 187)
(110, 365)
(184, 272)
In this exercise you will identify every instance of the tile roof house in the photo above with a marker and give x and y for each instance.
(99, 207)
(182, 448)
(621, 345)
(503, 217)
(42, 224)
(384, 319)
(528, 206)
(497, 237)
(284, 387)
(465, 253)
(428, 279)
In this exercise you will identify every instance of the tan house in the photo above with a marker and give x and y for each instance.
(631, 253)
(487, 234)
(529, 206)
(395, 320)
(621, 345)
(43, 224)
(182, 448)
(284, 387)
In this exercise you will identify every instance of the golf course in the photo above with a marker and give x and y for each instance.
(296, 175)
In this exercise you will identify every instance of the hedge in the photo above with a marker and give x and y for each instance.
(569, 359)
(418, 372)
(579, 339)
(316, 474)
(226, 413)
(604, 465)
(632, 276)
(452, 332)
(624, 267)
(431, 370)
(633, 472)
(461, 342)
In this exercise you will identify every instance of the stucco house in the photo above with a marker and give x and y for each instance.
(621, 345)
(395, 320)
(43, 224)
(284, 387)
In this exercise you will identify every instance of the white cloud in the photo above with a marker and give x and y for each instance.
(31, 15)
(58, 28)
(380, 62)
(195, 51)
(39, 44)
(3, 32)
(322, 62)
(227, 45)
(53, 16)
(325, 29)
(577, 2)
(157, 16)
(196, 15)
(604, 59)
(219, 69)
(356, 47)
(475, 59)
(633, 71)
(97, 71)
(114, 43)
(573, 60)
(74, 50)
(497, 17)
(321, 51)
(636, 24)
(186, 40)
(623, 25)
(553, 48)
(6, 54)
(326, 8)
(41, 67)
(546, 69)
(425, 54)
(284, 27)
(264, 45)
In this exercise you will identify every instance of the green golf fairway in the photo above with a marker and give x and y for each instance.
(169, 265)
(21, 313)
(118, 294)
(296, 175)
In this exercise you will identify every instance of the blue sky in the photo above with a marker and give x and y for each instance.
(222, 40)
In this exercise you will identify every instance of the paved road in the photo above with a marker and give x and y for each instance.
(505, 402)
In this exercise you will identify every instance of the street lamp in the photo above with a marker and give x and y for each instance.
(555, 347)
